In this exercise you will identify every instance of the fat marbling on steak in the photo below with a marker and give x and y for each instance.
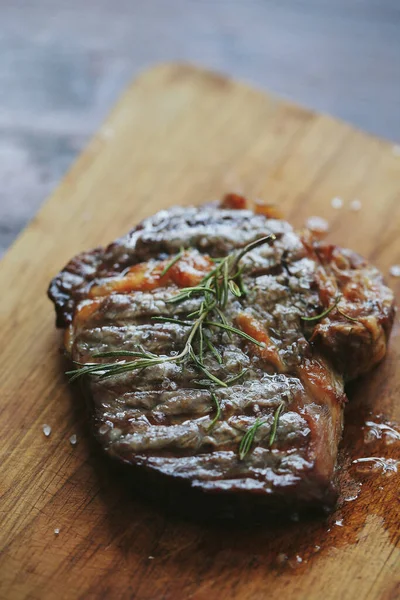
(164, 416)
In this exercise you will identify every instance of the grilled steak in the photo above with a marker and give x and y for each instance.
(257, 412)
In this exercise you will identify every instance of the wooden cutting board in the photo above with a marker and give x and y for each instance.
(180, 136)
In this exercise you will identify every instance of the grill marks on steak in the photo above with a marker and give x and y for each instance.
(160, 417)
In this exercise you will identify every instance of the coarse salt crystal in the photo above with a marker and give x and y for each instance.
(336, 202)
(46, 430)
(339, 523)
(56, 531)
(317, 224)
(395, 270)
(73, 439)
(151, 557)
(355, 205)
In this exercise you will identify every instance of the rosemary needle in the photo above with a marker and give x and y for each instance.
(217, 414)
(172, 262)
(236, 378)
(275, 423)
(330, 309)
(346, 316)
(235, 330)
(213, 350)
(248, 438)
(325, 312)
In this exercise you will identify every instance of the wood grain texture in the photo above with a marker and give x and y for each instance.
(182, 136)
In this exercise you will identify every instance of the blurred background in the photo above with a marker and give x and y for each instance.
(64, 63)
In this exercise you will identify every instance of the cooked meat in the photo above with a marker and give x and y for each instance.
(255, 410)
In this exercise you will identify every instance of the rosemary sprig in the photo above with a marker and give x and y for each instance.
(248, 438)
(234, 288)
(250, 247)
(239, 332)
(346, 316)
(329, 310)
(275, 423)
(171, 320)
(236, 378)
(188, 292)
(217, 414)
(221, 315)
(213, 350)
(173, 262)
(214, 288)
(144, 360)
(325, 312)
(205, 371)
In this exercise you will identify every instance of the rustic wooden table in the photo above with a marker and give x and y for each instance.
(64, 63)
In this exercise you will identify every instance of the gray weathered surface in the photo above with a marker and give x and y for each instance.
(63, 64)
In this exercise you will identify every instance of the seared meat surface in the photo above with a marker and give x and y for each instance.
(287, 389)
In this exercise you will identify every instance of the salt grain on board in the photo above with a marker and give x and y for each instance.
(73, 439)
(46, 430)
(56, 531)
(395, 270)
(355, 205)
(339, 523)
(336, 202)
(317, 224)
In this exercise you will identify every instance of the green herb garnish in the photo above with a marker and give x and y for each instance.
(325, 313)
(218, 413)
(248, 438)
(172, 262)
(275, 423)
(236, 378)
(214, 288)
(346, 316)
(330, 309)
(213, 350)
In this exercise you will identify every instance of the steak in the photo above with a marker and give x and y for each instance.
(256, 405)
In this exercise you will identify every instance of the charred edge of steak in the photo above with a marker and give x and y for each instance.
(67, 288)
(184, 501)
